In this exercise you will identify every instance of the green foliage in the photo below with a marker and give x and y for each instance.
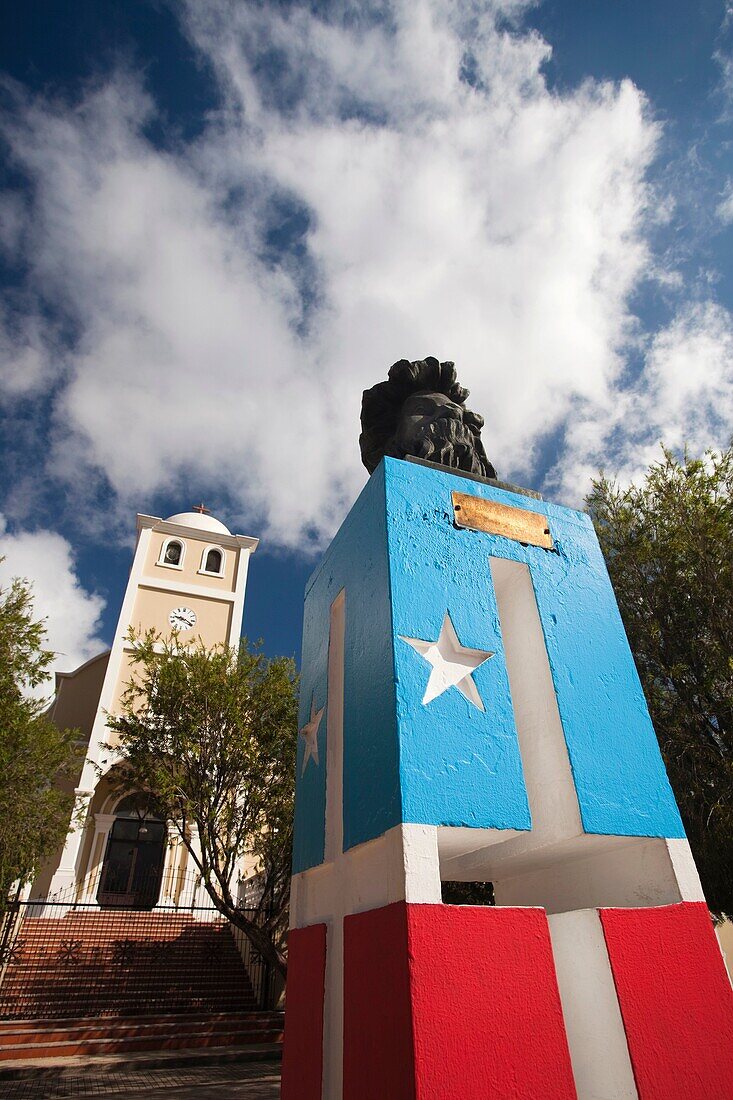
(467, 893)
(211, 736)
(38, 762)
(667, 544)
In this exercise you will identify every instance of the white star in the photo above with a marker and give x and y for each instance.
(309, 733)
(452, 664)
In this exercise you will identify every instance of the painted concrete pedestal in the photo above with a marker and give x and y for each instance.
(471, 711)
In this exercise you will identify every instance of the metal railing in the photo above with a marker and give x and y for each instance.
(173, 888)
(64, 957)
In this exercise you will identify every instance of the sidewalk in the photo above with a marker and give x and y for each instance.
(236, 1081)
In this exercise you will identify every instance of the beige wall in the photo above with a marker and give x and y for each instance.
(42, 882)
(77, 696)
(123, 679)
(152, 608)
(84, 696)
(74, 707)
(189, 574)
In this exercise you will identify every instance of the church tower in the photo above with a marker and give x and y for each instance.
(188, 575)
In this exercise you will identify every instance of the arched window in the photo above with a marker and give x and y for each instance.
(212, 561)
(171, 554)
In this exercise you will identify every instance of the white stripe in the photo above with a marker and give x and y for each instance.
(596, 1036)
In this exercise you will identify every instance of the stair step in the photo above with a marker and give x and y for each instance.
(86, 1036)
(185, 1018)
(61, 1068)
(176, 963)
(70, 1048)
(113, 1030)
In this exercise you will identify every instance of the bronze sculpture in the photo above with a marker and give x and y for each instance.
(420, 412)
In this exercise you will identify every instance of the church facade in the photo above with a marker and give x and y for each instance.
(189, 574)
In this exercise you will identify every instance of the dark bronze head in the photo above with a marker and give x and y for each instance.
(420, 411)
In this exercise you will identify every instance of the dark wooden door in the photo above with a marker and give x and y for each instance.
(133, 863)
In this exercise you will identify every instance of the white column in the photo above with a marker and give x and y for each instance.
(240, 583)
(102, 825)
(198, 894)
(170, 867)
(100, 731)
(66, 875)
(593, 1023)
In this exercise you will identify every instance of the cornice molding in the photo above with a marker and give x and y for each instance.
(155, 523)
(164, 585)
(75, 671)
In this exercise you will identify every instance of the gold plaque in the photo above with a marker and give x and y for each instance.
(479, 514)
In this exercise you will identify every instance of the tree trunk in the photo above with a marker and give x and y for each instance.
(258, 937)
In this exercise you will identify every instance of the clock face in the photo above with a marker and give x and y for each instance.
(182, 618)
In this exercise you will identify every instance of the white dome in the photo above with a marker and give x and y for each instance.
(199, 520)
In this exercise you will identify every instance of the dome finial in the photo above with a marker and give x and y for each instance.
(200, 518)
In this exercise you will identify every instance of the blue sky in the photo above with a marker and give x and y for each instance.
(220, 221)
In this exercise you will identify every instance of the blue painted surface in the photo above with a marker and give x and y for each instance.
(403, 563)
(356, 561)
(619, 775)
(310, 788)
(458, 765)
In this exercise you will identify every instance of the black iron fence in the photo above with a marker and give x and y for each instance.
(154, 889)
(67, 957)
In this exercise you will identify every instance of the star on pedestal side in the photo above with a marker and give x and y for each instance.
(309, 733)
(452, 664)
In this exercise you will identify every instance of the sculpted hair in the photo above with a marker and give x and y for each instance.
(381, 409)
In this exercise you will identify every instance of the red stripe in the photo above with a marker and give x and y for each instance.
(378, 1062)
(447, 1002)
(302, 1070)
(675, 998)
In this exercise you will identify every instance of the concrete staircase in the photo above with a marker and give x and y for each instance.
(103, 982)
(25, 1040)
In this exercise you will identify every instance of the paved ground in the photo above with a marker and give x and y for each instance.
(237, 1081)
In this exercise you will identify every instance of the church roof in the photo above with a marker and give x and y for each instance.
(199, 520)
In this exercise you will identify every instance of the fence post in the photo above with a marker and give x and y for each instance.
(8, 932)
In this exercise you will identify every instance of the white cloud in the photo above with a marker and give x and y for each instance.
(456, 207)
(724, 58)
(724, 209)
(24, 353)
(684, 397)
(72, 613)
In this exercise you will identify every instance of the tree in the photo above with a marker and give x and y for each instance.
(210, 736)
(38, 761)
(467, 893)
(667, 543)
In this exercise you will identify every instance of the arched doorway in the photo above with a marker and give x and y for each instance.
(133, 862)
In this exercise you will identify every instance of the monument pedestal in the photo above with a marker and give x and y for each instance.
(471, 711)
